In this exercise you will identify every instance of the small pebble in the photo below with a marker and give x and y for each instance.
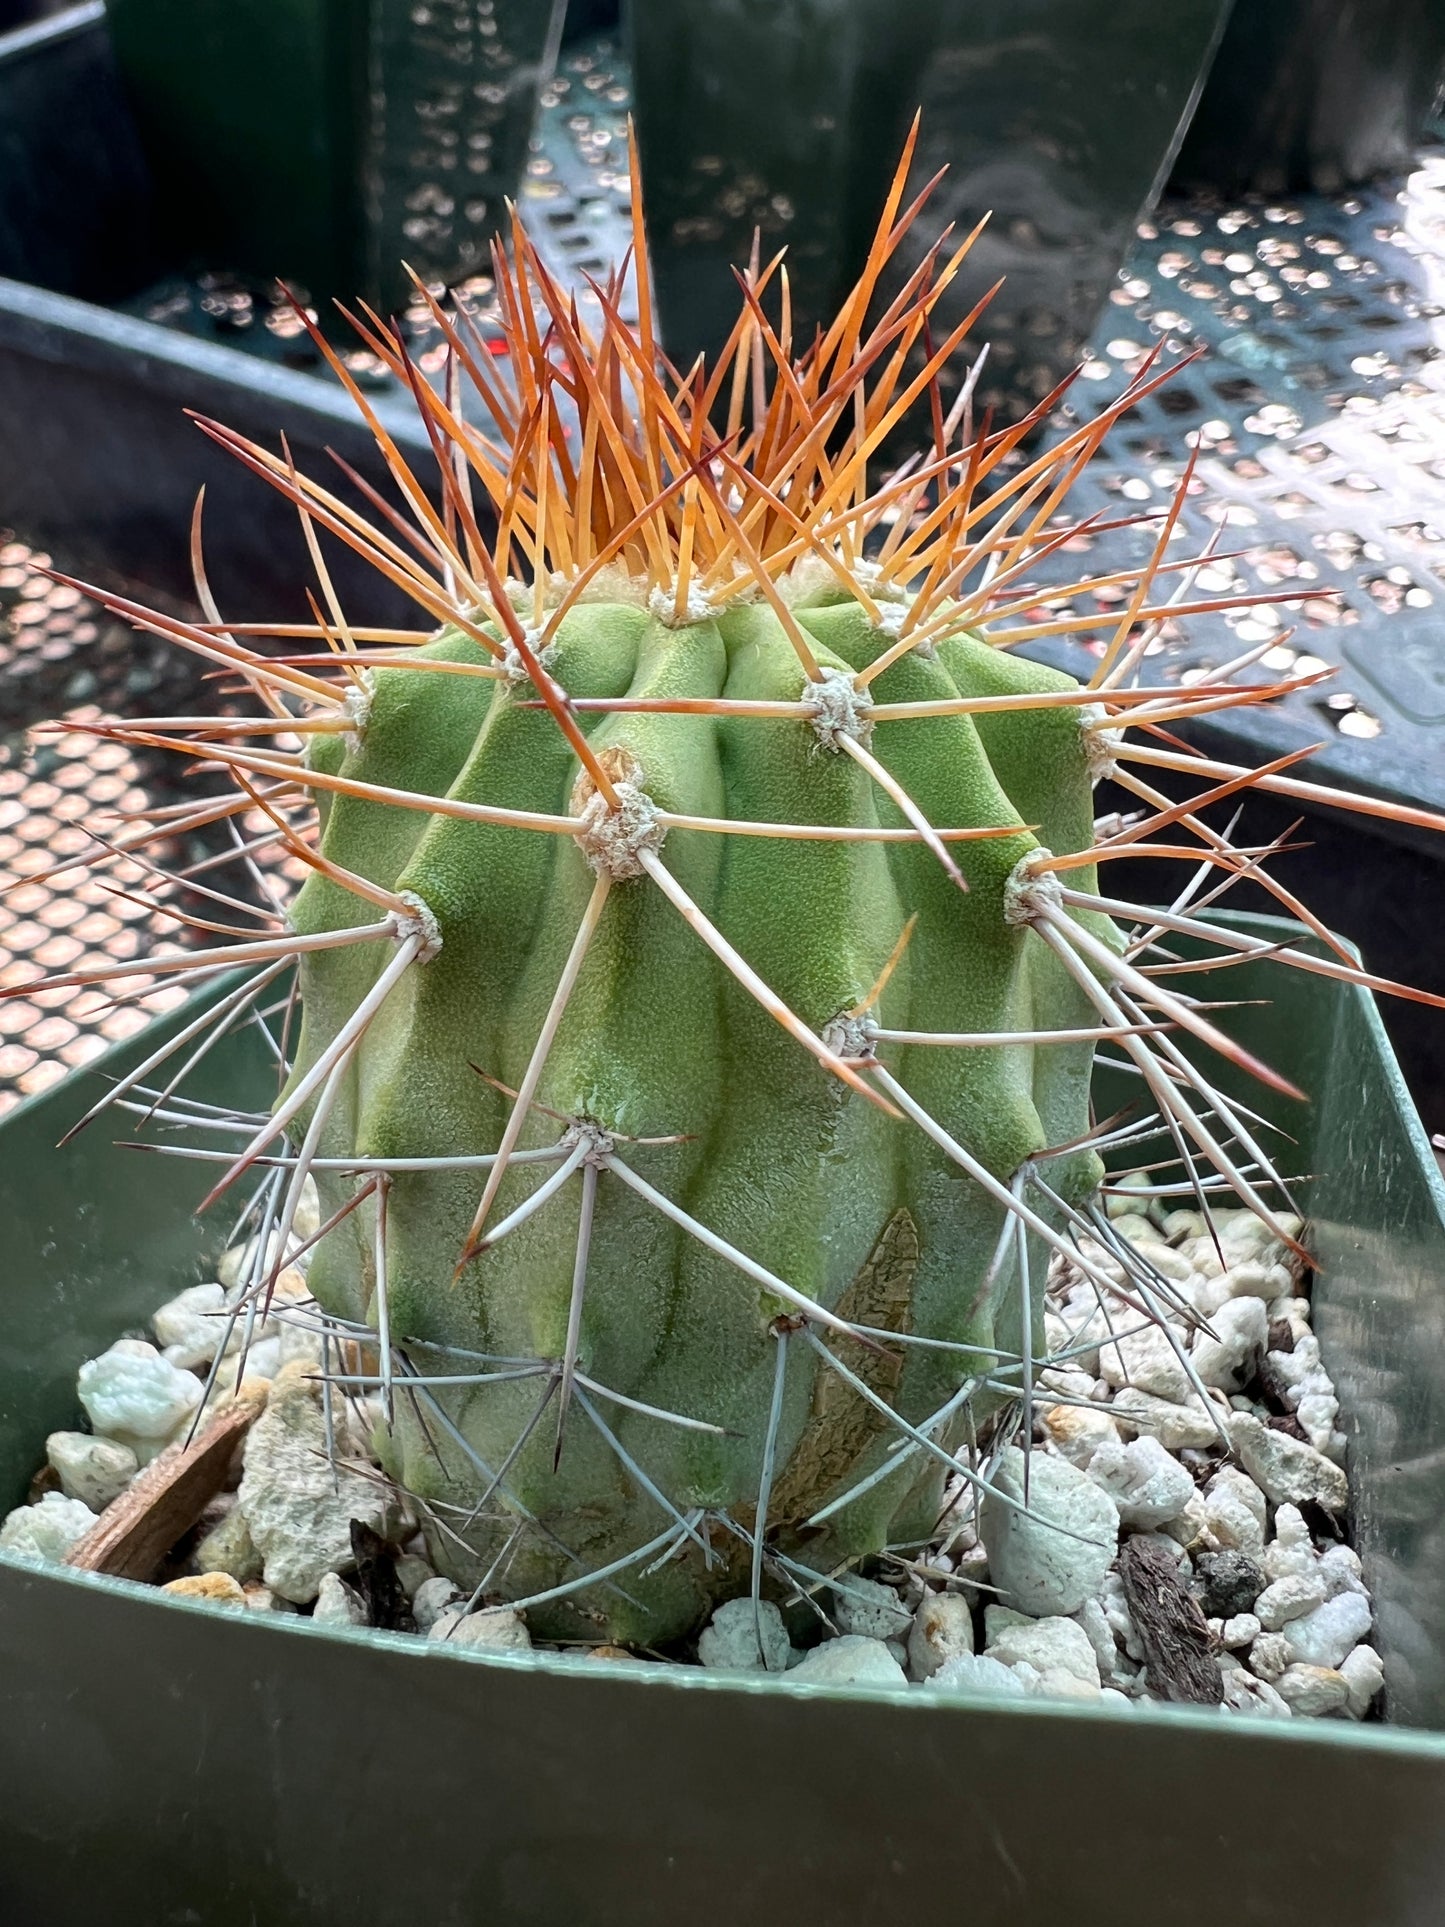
(1230, 1358)
(493, 1632)
(1286, 1599)
(132, 1394)
(47, 1530)
(1243, 1693)
(1227, 1583)
(1287, 1469)
(1174, 1425)
(1235, 1514)
(1076, 1433)
(1148, 1362)
(942, 1630)
(735, 1640)
(228, 1547)
(298, 1510)
(191, 1327)
(1048, 1645)
(412, 1573)
(1316, 1691)
(970, 1673)
(1363, 1671)
(1291, 1549)
(850, 1660)
(93, 1470)
(1146, 1484)
(431, 1599)
(871, 1610)
(1325, 1636)
(1242, 1630)
(336, 1604)
(213, 1588)
(1037, 1567)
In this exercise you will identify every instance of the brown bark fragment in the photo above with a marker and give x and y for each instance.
(138, 1529)
(1177, 1661)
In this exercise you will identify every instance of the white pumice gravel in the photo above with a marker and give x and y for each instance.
(1013, 1600)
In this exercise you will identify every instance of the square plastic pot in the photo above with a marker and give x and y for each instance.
(329, 143)
(1058, 119)
(1315, 94)
(163, 1764)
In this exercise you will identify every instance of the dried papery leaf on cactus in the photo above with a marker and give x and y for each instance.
(703, 956)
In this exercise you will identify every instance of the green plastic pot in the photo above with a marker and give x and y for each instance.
(1314, 94)
(164, 1765)
(1058, 117)
(326, 142)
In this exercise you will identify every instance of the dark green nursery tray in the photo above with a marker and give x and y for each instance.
(163, 1764)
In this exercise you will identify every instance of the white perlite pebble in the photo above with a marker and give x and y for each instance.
(1243, 1693)
(1236, 1514)
(1048, 1645)
(1341, 1571)
(47, 1530)
(492, 1632)
(191, 1327)
(1177, 1427)
(1269, 1656)
(337, 1604)
(298, 1510)
(1146, 1484)
(1054, 1556)
(1325, 1636)
(1286, 1468)
(93, 1470)
(1363, 1671)
(1315, 1691)
(431, 1599)
(1148, 1362)
(412, 1573)
(735, 1640)
(1231, 1356)
(1054, 1683)
(1288, 1598)
(850, 1661)
(942, 1630)
(1242, 1630)
(1077, 1432)
(229, 1547)
(970, 1673)
(872, 1611)
(1291, 1549)
(132, 1394)
(1098, 1629)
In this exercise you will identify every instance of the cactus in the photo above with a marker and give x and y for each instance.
(703, 957)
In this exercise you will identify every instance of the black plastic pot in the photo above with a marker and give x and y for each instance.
(97, 457)
(1058, 117)
(1315, 94)
(164, 1764)
(326, 144)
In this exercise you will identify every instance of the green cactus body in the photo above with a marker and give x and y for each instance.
(860, 1211)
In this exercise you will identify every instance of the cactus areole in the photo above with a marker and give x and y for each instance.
(703, 956)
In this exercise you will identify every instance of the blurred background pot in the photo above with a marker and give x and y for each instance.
(327, 142)
(1315, 94)
(1060, 117)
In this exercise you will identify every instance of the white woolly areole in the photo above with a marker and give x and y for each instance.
(613, 840)
(356, 708)
(838, 708)
(417, 921)
(598, 1142)
(1099, 744)
(1028, 891)
(850, 1035)
(516, 670)
(662, 604)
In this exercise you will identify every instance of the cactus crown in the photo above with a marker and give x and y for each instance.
(702, 955)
